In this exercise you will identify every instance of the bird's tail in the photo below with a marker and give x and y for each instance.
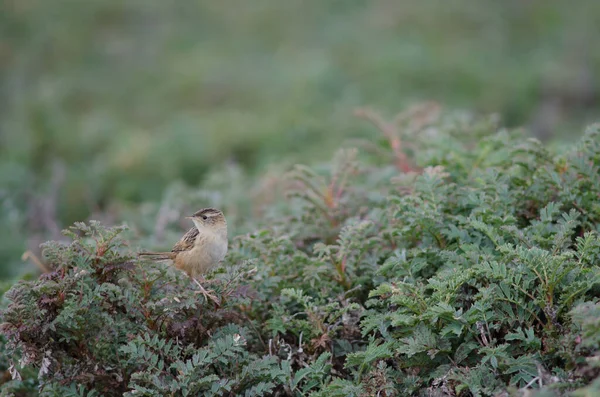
(158, 255)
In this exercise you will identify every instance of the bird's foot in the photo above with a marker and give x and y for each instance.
(207, 294)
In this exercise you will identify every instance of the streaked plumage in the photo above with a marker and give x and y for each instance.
(202, 247)
(187, 241)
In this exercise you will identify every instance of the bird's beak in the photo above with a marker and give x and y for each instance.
(189, 217)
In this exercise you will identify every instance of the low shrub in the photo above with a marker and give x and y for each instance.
(452, 258)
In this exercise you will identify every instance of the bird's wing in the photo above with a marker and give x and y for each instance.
(187, 241)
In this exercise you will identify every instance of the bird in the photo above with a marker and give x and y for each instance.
(202, 247)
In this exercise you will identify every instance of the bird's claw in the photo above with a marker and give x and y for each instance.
(207, 294)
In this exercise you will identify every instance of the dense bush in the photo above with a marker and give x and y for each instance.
(449, 258)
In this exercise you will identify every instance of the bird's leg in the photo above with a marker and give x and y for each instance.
(206, 293)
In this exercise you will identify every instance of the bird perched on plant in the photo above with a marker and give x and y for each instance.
(202, 247)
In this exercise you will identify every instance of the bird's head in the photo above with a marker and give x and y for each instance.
(208, 218)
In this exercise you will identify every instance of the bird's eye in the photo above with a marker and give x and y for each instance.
(204, 217)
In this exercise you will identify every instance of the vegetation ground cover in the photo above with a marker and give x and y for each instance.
(450, 257)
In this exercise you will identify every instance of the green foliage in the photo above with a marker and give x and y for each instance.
(101, 322)
(471, 270)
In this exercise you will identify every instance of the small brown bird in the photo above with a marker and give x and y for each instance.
(202, 247)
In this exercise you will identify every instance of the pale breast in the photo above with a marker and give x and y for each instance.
(207, 252)
(218, 250)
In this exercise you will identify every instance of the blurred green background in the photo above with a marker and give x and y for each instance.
(106, 103)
